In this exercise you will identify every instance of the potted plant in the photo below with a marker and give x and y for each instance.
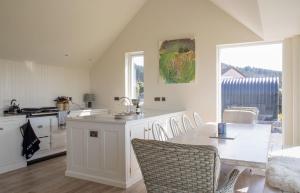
(62, 103)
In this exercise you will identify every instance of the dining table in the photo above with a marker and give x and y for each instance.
(244, 145)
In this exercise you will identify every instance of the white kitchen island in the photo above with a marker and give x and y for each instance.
(99, 146)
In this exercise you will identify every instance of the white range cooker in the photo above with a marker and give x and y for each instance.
(45, 124)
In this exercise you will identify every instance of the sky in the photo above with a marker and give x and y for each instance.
(138, 60)
(267, 56)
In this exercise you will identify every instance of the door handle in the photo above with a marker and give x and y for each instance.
(1, 129)
(43, 137)
(40, 126)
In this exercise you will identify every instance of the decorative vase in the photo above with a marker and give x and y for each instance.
(66, 106)
(60, 106)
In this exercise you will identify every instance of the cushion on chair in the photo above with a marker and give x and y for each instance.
(239, 116)
(283, 170)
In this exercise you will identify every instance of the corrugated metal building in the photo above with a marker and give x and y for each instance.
(262, 93)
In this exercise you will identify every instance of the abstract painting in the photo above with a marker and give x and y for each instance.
(177, 61)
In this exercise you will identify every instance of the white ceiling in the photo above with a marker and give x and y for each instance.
(62, 32)
(245, 11)
(77, 32)
(270, 19)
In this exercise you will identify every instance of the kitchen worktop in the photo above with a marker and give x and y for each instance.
(11, 117)
(108, 117)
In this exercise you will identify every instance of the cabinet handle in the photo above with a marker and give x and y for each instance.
(94, 134)
(40, 126)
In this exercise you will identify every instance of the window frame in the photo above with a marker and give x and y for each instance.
(129, 72)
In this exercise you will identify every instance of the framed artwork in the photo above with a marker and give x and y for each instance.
(177, 61)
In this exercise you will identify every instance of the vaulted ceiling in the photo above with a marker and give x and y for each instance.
(270, 19)
(77, 32)
(62, 32)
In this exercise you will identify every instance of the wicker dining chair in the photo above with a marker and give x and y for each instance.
(178, 168)
(175, 128)
(186, 122)
(159, 132)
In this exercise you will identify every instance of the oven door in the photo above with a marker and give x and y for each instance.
(41, 126)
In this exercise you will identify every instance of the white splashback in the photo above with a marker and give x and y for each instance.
(36, 85)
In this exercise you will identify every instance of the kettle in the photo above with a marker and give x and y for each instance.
(14, 107)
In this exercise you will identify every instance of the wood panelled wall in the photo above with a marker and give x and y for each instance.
(36, 85)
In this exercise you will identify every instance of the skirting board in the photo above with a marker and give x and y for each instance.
(96, 179)
(102, 180)
(12, 167)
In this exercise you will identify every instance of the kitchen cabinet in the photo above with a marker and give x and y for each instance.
(11, 143)
(52, 138)
(95, 149)
(99, 147)
(140, 131)
(103, 150)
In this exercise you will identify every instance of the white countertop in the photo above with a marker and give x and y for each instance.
(109, 117)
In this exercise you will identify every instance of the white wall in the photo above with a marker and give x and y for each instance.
(291, 91)
(167, 19)
(36, 85)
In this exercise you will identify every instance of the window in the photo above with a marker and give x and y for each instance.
(134, 77)
(250, 78)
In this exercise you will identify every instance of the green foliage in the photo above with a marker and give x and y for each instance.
(249, 71)
(140, 88)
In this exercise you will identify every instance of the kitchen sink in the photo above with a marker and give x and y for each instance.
(125, 115)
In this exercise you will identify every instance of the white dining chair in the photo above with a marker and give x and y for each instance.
(175, 128)
(239, 116)
(158, 131)
(186, 122)
(198, 120)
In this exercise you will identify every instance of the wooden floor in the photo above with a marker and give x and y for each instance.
(48, 177)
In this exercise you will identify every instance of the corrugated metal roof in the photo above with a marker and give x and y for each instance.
(260, 80)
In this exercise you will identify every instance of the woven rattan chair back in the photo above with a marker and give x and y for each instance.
(186, 122)
(159, 132)
(177, 168)
(175, 128)
(198, 120)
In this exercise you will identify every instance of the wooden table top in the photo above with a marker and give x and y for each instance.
(248, 149)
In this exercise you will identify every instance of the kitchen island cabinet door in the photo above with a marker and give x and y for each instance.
(76, 147)
(111, 150)
(139, 131)
(95, 152)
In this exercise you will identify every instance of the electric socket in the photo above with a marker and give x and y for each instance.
(163, 99)
(156, 98)
(116, 98)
